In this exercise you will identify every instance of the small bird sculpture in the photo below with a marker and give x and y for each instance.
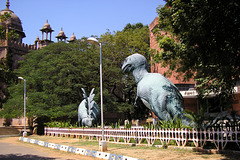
(88, 110)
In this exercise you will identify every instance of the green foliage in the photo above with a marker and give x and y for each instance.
(54, 77)
(127, 126)
(64, 124)
(12, 35)
(96, 126)
(197, 44)
(3, 18)
(169, 124)
(56, 73)
(164, 145)
(117, 124)
(150, 126)
(116, 47)
(112, 125)
(200, 120)
(7, 77)
(15, 108)
(134, 26)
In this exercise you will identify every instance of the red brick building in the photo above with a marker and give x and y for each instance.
(187, 88)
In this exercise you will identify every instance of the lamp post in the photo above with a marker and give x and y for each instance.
(103, 143)
(24, 105)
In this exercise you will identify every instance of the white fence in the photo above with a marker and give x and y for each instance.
(219, 137)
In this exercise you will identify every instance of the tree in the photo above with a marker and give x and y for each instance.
(11, 32)
(56, 73)
(134, 26)
(6, 75)
(199, 39)
(3, 18)
(54, 76)
(117, 46)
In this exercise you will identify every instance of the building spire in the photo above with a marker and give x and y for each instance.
(7, 4)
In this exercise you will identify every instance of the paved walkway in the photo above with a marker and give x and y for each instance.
(15, 151)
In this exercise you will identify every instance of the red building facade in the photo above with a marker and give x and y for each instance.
(187, 88)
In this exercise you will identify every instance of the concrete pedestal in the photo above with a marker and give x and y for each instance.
(103, 146)
(24, 134)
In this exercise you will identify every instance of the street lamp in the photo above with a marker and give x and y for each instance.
(24, 103)
(103, 143)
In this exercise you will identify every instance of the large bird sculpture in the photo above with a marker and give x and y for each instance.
(156, 92)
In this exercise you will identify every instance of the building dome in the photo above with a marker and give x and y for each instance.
(61, 34)
(14, 22)
(46, 26)
(72, 38)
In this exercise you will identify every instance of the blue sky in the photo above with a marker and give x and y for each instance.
(83, 17)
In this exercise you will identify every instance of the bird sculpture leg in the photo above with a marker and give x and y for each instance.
(160, 108)
(146, 103)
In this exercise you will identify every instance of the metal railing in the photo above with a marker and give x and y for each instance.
(219, 137)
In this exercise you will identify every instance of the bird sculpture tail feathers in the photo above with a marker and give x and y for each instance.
(91, 95)
(88, 111)
(84, 94)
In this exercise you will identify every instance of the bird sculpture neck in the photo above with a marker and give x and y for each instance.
(139, 73)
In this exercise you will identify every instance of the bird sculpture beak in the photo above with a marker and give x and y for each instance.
(126, 66)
